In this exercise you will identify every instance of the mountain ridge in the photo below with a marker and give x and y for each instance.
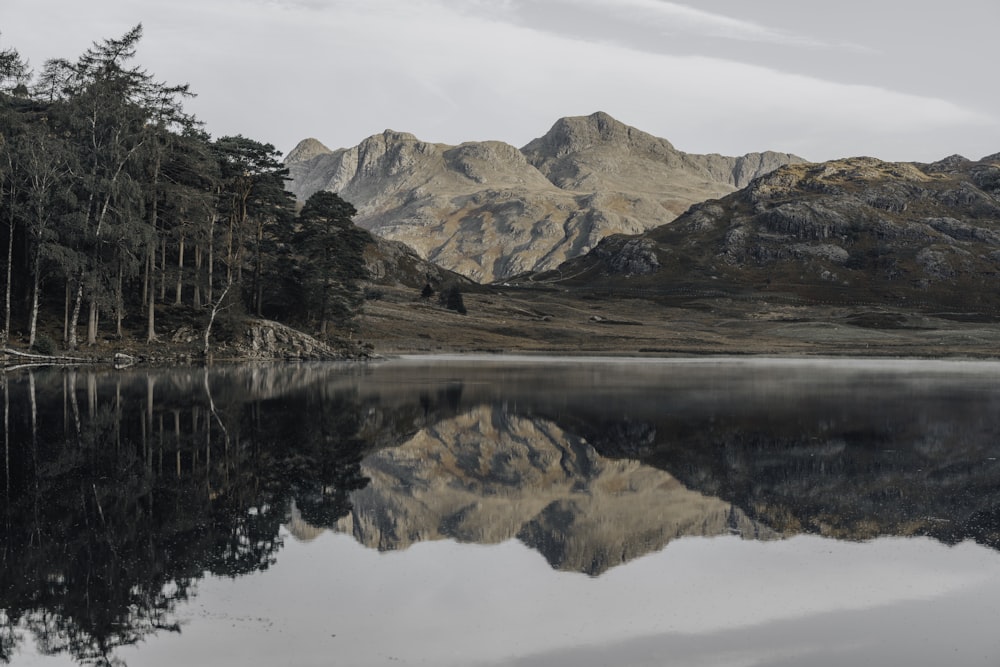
(489, 210)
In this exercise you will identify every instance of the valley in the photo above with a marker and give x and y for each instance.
(580, 322)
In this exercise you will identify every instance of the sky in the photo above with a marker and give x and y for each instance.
(893, 79)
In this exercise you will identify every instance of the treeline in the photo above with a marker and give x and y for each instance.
(115, 204)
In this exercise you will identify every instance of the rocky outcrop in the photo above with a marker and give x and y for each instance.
(266, 339)
(628, 256)
(489, 211)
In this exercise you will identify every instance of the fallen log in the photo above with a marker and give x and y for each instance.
(44, 358)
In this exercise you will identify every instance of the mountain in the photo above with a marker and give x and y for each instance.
(858, 231)
(597, 153)
(490, 211)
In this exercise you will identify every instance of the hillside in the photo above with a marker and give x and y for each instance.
(858, 231)
(490, 211)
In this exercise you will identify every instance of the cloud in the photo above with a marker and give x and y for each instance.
(456, 70)
(446, 68)
(679, 18)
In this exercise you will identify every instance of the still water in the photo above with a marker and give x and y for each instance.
(503, 511)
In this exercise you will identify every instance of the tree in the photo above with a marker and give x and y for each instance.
(14, 73)
(117, 114)
(451, 298)
(10, 126)
(253, 199)
(44, 164)
(166, 119)
(190, 181)
(332, 253)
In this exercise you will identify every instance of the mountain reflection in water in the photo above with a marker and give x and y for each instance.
(122, 490)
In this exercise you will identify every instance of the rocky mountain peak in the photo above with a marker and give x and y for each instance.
(575, 134)
(950, 163)
(487, 162)
(391, 153)
(389, 137)
(306, 150)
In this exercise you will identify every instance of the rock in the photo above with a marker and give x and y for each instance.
(935, 263)
(948, 164)
(123, 360)
(827, 251)
(265, 339)
(184, 334)
(636, 256)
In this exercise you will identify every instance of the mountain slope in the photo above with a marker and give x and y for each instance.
(848, 231)
(490, 211)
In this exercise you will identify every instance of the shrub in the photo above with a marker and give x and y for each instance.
(44, 345)
(451, 298)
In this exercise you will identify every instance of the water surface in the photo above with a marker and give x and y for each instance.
(527, 511)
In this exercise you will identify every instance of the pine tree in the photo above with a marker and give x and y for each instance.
(332, 264)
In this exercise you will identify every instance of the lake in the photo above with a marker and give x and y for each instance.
(464, 510)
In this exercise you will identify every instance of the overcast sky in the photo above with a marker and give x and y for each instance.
(895, 79)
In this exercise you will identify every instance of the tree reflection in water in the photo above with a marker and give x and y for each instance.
(120, 495)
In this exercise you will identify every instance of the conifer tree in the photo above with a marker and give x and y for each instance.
(332, 254)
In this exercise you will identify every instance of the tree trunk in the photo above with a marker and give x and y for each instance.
(119, 301)
(163, 268)
(33, 320)
(145, 283)
(197, 276)
(92, 321)
(211, 259)
(211, 320)
(75, 317)
(10, 261)
(151, 306)
(229, 251)
(180, 270)
(66, 302)
(258, 288)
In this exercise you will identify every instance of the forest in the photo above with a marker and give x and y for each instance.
(119, 211)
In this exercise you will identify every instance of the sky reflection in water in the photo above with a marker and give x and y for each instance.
(807, 600)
